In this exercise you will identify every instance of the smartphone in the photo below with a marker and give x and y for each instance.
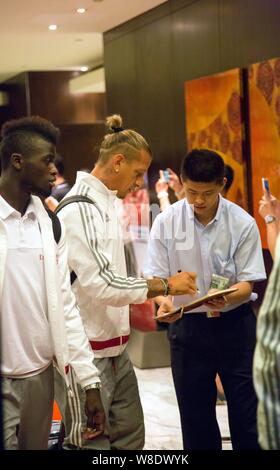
(166, 176)
(265, 185)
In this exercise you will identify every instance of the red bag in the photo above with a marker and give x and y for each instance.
(142, 316)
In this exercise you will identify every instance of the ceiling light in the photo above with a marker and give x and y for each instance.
(52, 27)
(81, 10)
(84, 69)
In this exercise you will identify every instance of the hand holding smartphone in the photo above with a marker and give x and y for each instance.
(166, 176)
(266, 188)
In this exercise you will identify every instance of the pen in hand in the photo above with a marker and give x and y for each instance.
(197, 290)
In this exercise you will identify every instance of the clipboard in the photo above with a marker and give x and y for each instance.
(198, 302)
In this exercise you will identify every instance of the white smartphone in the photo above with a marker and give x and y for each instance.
(265, 185)
(166, 176)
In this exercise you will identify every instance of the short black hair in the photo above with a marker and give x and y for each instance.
(20, 136)
(229, 174)
(203, 166)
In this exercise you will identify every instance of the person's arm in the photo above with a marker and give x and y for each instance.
(179, 284)
(243, 294)
(176, 185)
(91, 263)
(51, 203)
(272, 232)
(166, 305)
(80, 354)
(161, 188)
(269, 209)
(236, 298)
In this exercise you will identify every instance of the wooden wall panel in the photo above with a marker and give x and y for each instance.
(79, 147)
(19, 104)
(195, 52)
(249, 31)
(200, 37)
(79, 116)
(155, 106)
(50, 97)
(121, 79)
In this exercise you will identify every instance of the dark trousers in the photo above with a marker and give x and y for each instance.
(200, 348)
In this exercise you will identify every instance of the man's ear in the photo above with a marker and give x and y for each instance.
(118, 159)
(16, 160)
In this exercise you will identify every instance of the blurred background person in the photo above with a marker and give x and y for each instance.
(269, 209)
(61, 186)
(267, 353)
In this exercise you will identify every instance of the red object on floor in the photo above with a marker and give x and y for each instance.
(56, 412)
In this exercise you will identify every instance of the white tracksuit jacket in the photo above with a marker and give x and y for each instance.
(70, 343)
(96, 254)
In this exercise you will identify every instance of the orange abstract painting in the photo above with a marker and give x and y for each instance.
(264, 118)
(214, 120)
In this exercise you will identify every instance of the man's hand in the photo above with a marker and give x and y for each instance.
(51, 203)
(269, 206)
(174, 182)
(161, 184)
(95, 414)
(167, 306)
(216, 304)
(182, 283)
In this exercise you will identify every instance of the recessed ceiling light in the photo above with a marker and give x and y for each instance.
(84, 69)
(81, 10)
(52, 27)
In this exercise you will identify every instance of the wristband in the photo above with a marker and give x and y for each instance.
(96, 385)
(162, 194)
(269, 218)
(166, 286)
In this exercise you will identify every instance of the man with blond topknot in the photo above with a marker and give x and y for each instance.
(102, 287)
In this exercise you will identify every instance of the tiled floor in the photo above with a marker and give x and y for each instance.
(161, 414)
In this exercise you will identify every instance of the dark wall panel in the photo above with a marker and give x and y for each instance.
(195, 47)
(148, 59)
(79, 116)
(17, 88)
(155, 105)
(121, 79)
(79, 147)
(51, 98)
(249, 31)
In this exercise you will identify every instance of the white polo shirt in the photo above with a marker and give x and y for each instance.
(26, 340)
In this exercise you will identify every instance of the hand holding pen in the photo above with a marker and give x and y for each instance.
(197, 290)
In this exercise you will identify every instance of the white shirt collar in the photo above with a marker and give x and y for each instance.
(6, 210)
(95, 183)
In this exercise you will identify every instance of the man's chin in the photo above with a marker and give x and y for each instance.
(42, 193)
(121, 195)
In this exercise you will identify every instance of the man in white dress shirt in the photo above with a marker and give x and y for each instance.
(210, 235)
(39, 319)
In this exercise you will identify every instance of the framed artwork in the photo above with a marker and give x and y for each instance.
(264, 120)
(214, 120)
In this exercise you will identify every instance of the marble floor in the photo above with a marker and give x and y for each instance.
(161, 414)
